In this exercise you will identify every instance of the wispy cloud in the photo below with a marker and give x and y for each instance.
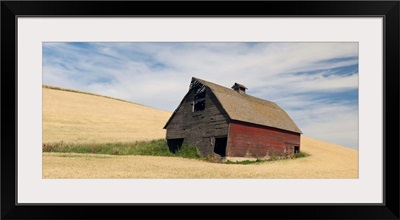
(316, 83)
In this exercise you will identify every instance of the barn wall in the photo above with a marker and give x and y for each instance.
(197, 127)
(248, 140)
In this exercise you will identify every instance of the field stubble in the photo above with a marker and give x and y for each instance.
(326, 161)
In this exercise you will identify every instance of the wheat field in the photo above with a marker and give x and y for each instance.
(326, 161)
(84, 118)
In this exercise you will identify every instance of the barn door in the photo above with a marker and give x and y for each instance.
(220, 145)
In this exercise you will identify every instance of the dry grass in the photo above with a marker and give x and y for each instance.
(84, 118)
(327, 161)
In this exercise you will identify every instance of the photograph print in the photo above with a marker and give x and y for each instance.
(200, 110)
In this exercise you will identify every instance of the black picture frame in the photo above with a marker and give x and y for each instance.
(11, 10)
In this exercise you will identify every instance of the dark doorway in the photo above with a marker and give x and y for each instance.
(174, 144)
(296, 149)
(220, 146)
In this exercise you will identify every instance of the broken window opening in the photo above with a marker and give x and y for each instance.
(199, 105)
(296, 149)
(199, 102)
(200, 95)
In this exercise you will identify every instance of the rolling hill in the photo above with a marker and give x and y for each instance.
(79, 117)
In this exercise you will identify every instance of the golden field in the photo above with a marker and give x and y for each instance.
(326, 161)
(84, 118)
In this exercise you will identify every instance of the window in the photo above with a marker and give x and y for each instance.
(199, 105)
(199, 102)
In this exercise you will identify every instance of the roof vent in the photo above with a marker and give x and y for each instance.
(239, 88)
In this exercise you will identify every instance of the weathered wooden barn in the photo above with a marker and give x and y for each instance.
(231, 123)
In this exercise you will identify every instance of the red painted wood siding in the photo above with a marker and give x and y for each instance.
(249, 140)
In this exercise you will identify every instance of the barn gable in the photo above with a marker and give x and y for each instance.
(186, 125)
(189, 97)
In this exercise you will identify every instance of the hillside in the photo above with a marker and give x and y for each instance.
(78, 117)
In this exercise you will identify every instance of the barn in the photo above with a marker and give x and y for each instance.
(231, 123)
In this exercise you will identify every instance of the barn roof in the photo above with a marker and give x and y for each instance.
(250, 109)
(247, 108)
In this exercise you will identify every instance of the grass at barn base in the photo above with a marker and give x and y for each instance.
(151, 148)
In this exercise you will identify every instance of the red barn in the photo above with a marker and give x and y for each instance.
(231, 123)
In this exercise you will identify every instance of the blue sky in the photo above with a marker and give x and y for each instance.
(316, 83)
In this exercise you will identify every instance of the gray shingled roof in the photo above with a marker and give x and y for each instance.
(247, 108)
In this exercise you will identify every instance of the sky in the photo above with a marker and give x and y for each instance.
(315, 83)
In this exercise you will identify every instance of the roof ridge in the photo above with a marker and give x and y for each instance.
(231, 90)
